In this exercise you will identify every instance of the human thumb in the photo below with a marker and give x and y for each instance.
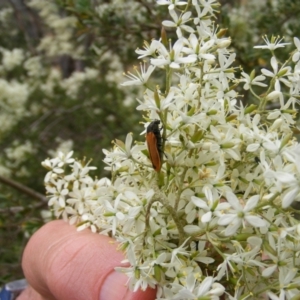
(61, 263)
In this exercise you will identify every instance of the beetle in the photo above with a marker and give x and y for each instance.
(154, 143)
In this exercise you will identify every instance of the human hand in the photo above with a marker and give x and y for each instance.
(61, 263)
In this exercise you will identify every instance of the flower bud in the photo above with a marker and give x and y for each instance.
(212, 112)
(156, 98)
(163, 35)
(277, 123)
(197, 136)
(285, 140)
(157, 273)
(289, 111)
(283, 72)
(252, 75)
(119, 143)
(222, 32)
(224, 43)
(267, 247)
(137, 273)
(273, 95)
(227, 145)
(230, 118)
(250, 109)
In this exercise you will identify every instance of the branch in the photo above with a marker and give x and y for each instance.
(23, 189)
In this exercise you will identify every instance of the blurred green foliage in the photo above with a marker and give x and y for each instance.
(74, 54)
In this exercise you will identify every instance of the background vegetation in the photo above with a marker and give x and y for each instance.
(61, 66)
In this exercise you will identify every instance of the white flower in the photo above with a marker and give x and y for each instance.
(65, 159)
(172, 3)
(200, 49)
(150, 103)
(137, 272)
(285, 71)
(209, 207)
(274, 65)
(286, 276)
(58, 193)
(79, 174)
(256, 81)
(296, 55)
(224, 141)
(284, 178)
(240, 215)
(113, 213)
(141, 77)
(201, 253)
(124, 151)
(192, 292)
(174, 58)
(179, 251)
(274, 44)
(179, 23)
(149, 49)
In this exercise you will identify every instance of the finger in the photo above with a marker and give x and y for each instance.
(30, 294)
(62, 263)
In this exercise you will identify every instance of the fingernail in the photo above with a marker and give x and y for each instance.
(114, 287)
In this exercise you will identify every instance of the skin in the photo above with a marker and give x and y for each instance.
(61, 263)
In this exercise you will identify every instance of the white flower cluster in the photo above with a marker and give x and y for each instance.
(13, 100)
(61, 41)
(216, 220)
(14, 158)
(11, 59)
(73, 84)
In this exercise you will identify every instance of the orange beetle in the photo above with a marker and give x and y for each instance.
(154, 143)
